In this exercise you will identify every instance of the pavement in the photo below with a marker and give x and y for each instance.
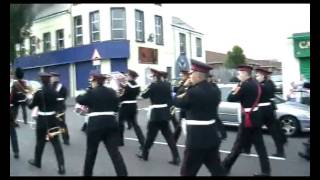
(159, 155)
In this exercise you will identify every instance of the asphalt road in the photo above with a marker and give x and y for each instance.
(159, 155)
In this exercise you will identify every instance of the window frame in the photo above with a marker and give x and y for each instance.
(45, 42)
(159, 41)
(185, 43)
(91, 14)
(33, 45)
(58, 39)
(75, 28)
(136, 27)
(124, 19)
(199, 46)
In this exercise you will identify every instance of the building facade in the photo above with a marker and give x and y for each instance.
(117, 37)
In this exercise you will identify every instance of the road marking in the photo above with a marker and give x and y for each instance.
(222, 151)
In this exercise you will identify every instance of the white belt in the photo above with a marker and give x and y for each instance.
(185, 122)
(101, 113)
(264, 104)
(11, 105)
(128, 102)
(249, 109)
(154, 106)
(46, 113)
(158, 106)
(22, 100)
(60, 99)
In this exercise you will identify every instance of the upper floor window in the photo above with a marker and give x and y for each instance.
(94, 26)
(118, 23)
(139, 25)
(60, 39)
(159, 30)
(46, 42)
(78, 35)
(33, 45)
(183, 46)
(199, 47)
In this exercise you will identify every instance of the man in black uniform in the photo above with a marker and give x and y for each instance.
(128, 107)
(61, 108)
(159, 93)
(103, 104)
(46, 100)
(180, 90)
(248, 93)
(267, 109)
(200, 102)
(19, 90)
(13, 133)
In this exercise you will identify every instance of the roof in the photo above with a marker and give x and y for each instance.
(178, 22)
(216, 58)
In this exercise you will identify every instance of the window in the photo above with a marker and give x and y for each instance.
(22, 49)
(139, 26)
(183, 45)
(77, 22)
(118, 23)
(159, 30)
(199, 47)
(94, 26)
(148, 55)
(60, 39)
(46, 42)
(33, 45)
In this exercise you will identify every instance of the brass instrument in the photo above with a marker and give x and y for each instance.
(53, 132)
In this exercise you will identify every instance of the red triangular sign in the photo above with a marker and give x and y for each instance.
(95, 55)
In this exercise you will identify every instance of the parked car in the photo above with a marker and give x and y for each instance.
(294, 117)
(277, 79)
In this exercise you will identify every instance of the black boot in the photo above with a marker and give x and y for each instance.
(279, 154)
(303, 155)
(175, 161)
(16, 155)
(33, 163)
(143, 155)
(61, 170)
(225, 168)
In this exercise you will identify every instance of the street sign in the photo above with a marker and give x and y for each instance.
(96, 58)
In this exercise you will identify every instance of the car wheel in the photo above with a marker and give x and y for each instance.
(290, 125)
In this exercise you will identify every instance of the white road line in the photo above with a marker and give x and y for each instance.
(222, 151)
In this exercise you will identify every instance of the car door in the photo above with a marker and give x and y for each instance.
(229, 112)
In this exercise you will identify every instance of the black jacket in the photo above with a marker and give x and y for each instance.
(201, 103)
(247, 95)
(100, 99)
(62, 93)
(159, 93)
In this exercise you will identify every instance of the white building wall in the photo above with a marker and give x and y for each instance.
(51, 24)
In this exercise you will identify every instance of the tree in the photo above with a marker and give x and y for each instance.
(20, 22)
(235, 58)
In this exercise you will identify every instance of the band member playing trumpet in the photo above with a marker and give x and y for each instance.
(46, 100)
(128, 107)
(62, 95)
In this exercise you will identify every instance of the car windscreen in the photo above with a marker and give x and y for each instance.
(225, 92)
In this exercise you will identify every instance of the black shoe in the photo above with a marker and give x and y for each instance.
(246, 151)
(261, 174)
(175, 161)
(61, 170)
(121, 143)
(226, 169)
(282, 155)
(304, 156)
(16, 155)
(66, 142)
(143, 155)
(25, 122)
(305, 143)
(33, 163)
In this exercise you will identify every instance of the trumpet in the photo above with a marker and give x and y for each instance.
(53, 132)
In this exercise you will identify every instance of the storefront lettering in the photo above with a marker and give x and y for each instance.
(304, 44)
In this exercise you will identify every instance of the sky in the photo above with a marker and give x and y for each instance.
(259, 29)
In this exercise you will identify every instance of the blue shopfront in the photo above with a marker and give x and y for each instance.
(74, 64)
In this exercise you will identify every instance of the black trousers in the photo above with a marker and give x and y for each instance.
(14, 138)
(274, 127)
(63, 124)
(194, 158)
(15, 109)
(131, 118)
(152, 131)
(110, 139)
(41, 132)
(251, 135)
(177, 127)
